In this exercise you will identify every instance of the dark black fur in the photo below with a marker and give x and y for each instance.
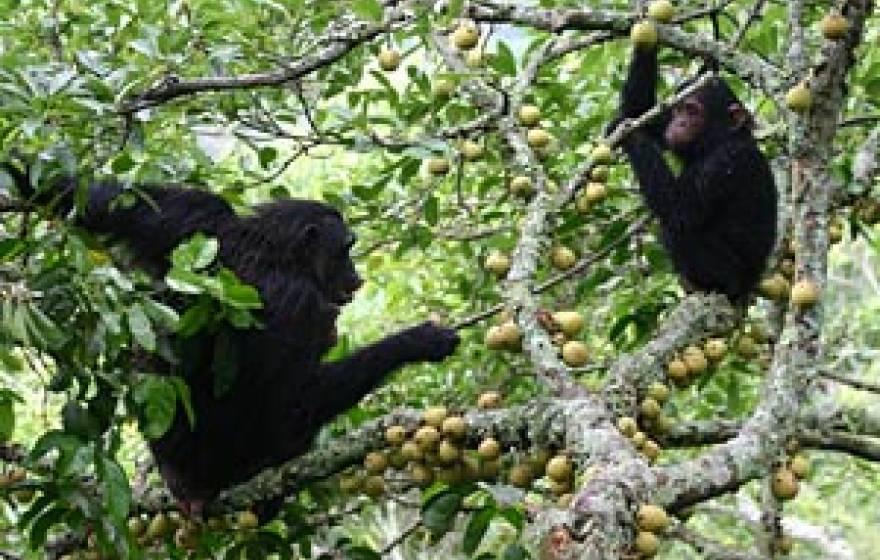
(296, 253)
(718, 217)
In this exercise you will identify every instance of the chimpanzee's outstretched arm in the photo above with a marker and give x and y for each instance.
(640, 89)
(153, 220)
(347, 381)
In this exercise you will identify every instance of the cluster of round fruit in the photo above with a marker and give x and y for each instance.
(440, 449)
(563, 327)
(651, 521)
(469, 151)
(778, 285)
(596, 189)
(466, 37)
(536, 136)
(651, 420)
(800, 98)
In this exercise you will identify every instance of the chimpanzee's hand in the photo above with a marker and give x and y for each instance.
(431, 341)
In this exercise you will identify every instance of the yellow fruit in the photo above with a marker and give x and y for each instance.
(529, 115)
(658, 391)
(804, 293)
(451, 475)
(395, 435)
(157, 527)
(510, 334)
(627, 426)
(782, 545)
(661, 11)
(470, 466)
(489, 449)
(443, 87)
(643, 34)
(785, 484)
(835, 231)
(595, 192)
(389, 59)
(559, 468)
(350, 484)
(497, 263)
(539, 458)
(569, 322)
(800, 465)
(639, 439)
(599, 173)
(136, 526)
(474, 58)
(564, 501)
(375, 462)
(521, 185)
(186, 537)
(411, 450)
(490, 469)
(834, 26)
(774, 287)
(434, 416)
(663, 425)
(650, 408)
(454, 427)
(538, 138)
(438, 166)
(562, 257)
(677, 370)
(695, 360)
(495, 338)
(574, 353)
(647, 543)
(650, 449)
(374, 486)
(715, 348)
(427, 437)
(466, 36)
(489, 399)
(520, 475)
(652, 518)
(421, 475)
(799, 98)
(747, 347)
(471, 150)
(447, 452)
(560, 487)
(601, 154)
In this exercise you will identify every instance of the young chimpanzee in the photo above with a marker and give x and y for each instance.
(718, 216)
(296, 253)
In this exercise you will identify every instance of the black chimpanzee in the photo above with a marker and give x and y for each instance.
(296, 253)
(718, 216)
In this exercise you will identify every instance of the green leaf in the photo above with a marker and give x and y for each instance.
(7, 420)
(267, 155)
(476, 528)
(117, 494)
(40, 528)
(368, 9)
(183, 393)
(140, 328)
(156, 397)
(504, 61)
(360, 553)
(515, 552)
(195, 254)
(184, 281)
(432, 213)
(438, 513)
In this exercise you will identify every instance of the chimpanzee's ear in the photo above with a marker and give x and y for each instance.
(740, 116)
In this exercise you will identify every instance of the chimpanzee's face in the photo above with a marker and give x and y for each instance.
(334, 267)
(687, 125)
